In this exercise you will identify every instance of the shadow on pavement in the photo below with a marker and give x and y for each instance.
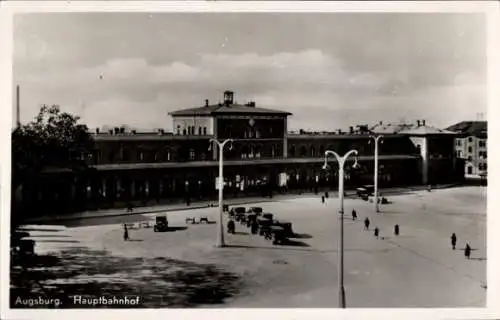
(58, 241)
(39, 229)
(301, 236)
(159, 282)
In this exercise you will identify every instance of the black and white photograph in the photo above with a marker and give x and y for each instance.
(217, 159)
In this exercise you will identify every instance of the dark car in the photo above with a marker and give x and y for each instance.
(268, 216)
(285, 225)
(161, 224)
(237, 210)
(256, 210)
(365, 191)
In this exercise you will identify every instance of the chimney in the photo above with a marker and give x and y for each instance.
(418, 123)
(206, 102)
(423, 123)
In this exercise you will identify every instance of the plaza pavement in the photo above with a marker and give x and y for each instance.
(416, 269)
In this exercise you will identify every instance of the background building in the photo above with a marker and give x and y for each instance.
(471, 146)
(157, 167)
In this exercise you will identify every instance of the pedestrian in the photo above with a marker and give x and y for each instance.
(453, 240)
(322, 199)
(255, 227)
(367, 223)
(125, 232)
(230, 226)
(467, 251)
(376, 232)
(326, 194)
(396, 230)
(354, 215)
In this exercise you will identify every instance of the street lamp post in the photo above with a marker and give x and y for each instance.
(375, 176)
(341, 162)
(220, 230)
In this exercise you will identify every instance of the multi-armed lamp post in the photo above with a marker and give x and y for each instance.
(341, 161)
(220, 230)
(375, 178)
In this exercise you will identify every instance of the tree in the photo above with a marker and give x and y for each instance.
(54, 139)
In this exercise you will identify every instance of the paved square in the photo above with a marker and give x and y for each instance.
(418, 268)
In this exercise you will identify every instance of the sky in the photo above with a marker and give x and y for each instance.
(331, 70)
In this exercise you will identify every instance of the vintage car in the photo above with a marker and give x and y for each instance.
(286, 225)
(264, 225)
(237, 210)
(279, 235)
(161, 224)
(268, 216)
(365, 191)
(256, 210)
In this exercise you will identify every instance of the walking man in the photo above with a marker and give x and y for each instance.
(354, 215)
(125, 232)
(453, 241)
(367, 223)
(396, 230)
(376, 232)
(467, 251)
(323, 199)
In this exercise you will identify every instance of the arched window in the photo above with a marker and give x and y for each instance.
(167, 155)
(257, 151)
(204, 131)
(125, 155)
(244, 152)
(303, 151)
(313, 152)
(292, 151)
(199, 131)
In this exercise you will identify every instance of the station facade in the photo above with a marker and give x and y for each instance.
(266, 158)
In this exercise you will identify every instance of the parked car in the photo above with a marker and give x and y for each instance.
(257, 210)
(285, 225)
(365, 191)
(236, 210)
(161, 224)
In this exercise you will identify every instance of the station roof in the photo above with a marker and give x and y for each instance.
(473, 128)
(218, 109)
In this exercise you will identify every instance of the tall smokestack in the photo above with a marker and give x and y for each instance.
(18, 108)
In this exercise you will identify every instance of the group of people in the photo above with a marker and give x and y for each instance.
(376, 232)
(467, 249)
